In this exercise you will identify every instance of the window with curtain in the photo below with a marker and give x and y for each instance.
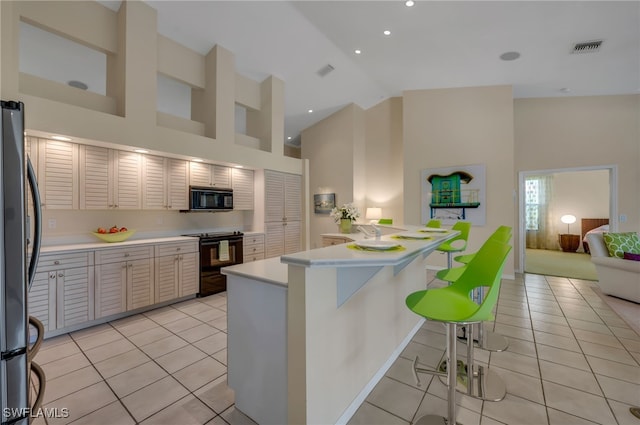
(538, 212)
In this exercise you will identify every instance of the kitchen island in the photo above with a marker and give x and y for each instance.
(311, 333)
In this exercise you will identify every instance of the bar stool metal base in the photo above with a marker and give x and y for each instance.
(432, 420)
(490, 341)
(485, 385)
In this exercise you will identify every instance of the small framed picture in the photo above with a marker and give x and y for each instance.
(323, 203)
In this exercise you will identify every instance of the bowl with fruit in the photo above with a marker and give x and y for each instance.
(113, 234)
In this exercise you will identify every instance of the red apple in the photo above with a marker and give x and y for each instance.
(114, 229)
(123, 229)
(102, 230)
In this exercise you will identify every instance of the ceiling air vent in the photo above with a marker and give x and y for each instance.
(587, 46)
(325, 70)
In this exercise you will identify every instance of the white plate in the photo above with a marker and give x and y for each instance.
(376, 244)
(420, 236)
(433, 229)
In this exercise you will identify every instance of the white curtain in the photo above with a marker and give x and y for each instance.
(544, 237)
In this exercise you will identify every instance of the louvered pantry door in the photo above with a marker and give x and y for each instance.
(292, 196)
(274, 196)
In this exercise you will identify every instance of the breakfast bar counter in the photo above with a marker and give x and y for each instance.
(311, 333)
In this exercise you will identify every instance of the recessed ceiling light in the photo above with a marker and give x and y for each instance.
(141, 150)
(61, 138)
(509, 56)
(238, 166)
(310, 111)
(357, 51)
(409, 3)
(386, 32)
(565, 90)
(289, 138)
(78, 84)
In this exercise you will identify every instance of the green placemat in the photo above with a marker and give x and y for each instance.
(359, 248)
(409, 238)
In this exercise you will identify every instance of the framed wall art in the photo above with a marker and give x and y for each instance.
(323, 203)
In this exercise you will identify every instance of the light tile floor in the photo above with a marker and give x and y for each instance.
(571, 360)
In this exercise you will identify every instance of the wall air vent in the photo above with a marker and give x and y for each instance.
(587, 46)
(325, 70)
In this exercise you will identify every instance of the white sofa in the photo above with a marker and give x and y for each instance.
(616, 276)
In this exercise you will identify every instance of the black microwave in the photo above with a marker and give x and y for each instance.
(210, 199)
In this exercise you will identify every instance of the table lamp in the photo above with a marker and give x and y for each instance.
(373, 214)
(568, 219)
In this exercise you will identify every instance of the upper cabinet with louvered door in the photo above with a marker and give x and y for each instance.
(243, 189)
(177, 184)
(154, 188)
(96, 185)
(58, 174)
(109, 179)
(209, 175)
(165, 183)
(128, 180)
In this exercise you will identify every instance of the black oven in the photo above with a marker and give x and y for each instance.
(217, 250)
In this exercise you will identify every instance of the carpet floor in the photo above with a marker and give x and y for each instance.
(557, 263)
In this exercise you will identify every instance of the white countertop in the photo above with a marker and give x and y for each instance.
(270, 271)
(105, 245)
(341, 255)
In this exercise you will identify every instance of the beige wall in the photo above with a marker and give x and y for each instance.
(384, 157)
(462, 126)
(136, 53)
(554, 133)
(330, 146)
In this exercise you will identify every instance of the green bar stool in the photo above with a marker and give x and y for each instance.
(463, 227)
(486, 340)
(502, 233)
(433, 223)
(452, 306)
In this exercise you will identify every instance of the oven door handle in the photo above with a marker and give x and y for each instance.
(210, 243)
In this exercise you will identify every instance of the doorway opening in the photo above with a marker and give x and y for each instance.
(582, 192)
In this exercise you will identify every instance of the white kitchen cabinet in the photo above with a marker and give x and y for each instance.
(283, 211)
(253, 247)
(177, 270)
(243, 189)
(109, 178)
(124, 279)
(62, 294)
(57, 174)
(165, 183)
(209, 175)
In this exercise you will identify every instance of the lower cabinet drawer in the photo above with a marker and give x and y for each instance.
(253, 257)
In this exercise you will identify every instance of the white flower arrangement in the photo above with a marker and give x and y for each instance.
(347, 211)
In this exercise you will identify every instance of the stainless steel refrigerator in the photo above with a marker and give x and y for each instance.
(19, 250)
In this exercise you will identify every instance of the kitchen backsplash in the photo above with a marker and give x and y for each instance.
(60, 227)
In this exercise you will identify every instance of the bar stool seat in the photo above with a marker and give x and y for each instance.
(450, 247)
(453, 306)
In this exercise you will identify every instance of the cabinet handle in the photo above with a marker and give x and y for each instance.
(181, 258)
(56, 262)
(60, 274)
(130, 265)
(178, 249)
(126, 254)
(52, 275)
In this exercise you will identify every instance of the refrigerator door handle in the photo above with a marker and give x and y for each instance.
(37, 370)
(37, 225)
(33, 350)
